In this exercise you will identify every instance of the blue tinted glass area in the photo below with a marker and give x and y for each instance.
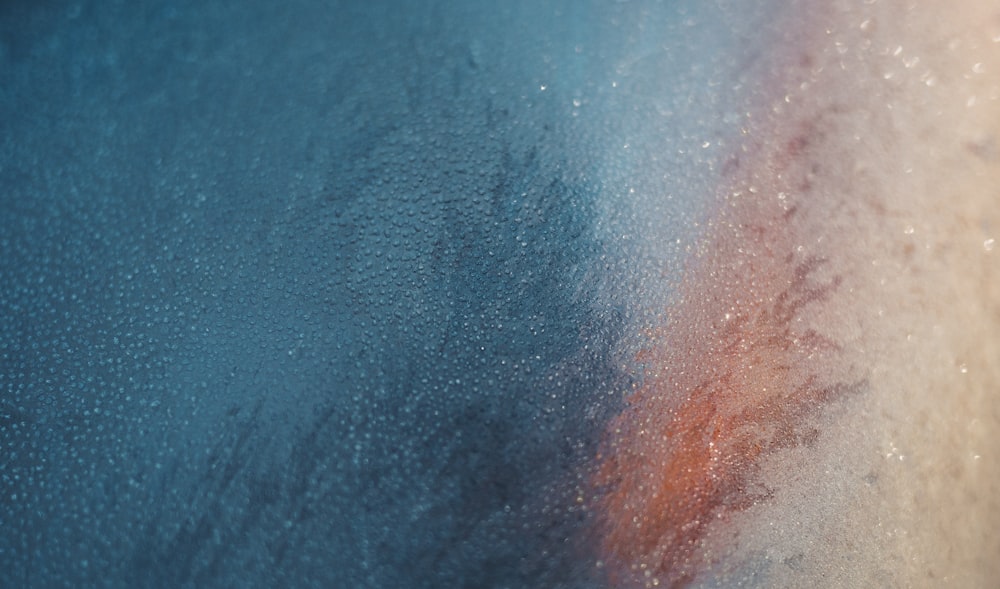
(333, 294)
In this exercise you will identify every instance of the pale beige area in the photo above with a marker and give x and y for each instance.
(902, 102)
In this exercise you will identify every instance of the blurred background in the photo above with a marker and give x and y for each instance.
(336, 294)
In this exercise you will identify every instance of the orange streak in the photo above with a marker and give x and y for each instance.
(747, 388)
(743, 367)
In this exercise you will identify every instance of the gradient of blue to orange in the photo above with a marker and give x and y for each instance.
(538, 294)
(805, 320)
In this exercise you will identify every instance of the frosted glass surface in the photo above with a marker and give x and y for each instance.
(317, 293)
(344, 294)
